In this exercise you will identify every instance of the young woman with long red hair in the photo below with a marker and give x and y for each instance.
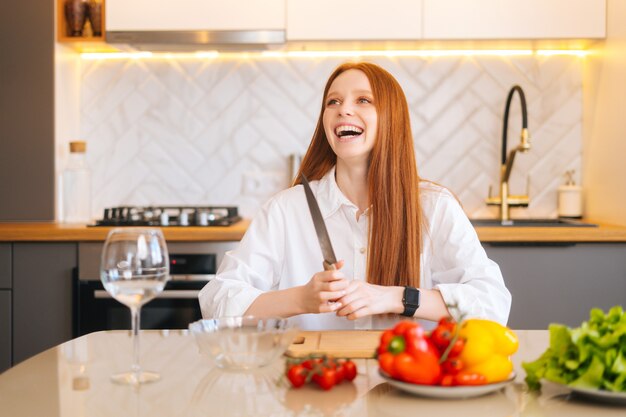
(406, 247)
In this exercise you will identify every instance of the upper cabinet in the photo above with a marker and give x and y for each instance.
(514, 19)
(193, 15)
(354, 20)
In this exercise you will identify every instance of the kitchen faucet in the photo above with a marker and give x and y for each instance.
(505, 200)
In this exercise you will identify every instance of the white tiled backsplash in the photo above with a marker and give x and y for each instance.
(220, 131)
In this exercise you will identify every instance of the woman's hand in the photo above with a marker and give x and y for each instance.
(320, 294)
(363, 299)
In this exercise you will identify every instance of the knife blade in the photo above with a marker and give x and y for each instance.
(320, 227)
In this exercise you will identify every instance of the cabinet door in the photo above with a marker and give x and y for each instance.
(514, 19)
(177, 15)
(5, 330)
(42, 296)
(561, 283)
(5, 266)
(354, 20)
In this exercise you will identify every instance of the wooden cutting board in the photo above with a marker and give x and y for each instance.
(338, 343)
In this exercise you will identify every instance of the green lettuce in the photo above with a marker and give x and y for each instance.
(590, 356)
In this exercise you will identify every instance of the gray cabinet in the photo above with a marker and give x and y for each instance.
(27, 110)
(5, 306)
(42, 296)
(5, 330)
(552, 283)
(5, 266)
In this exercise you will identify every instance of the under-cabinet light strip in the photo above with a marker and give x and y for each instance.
(331, 54)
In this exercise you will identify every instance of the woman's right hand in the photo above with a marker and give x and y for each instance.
(320, 293)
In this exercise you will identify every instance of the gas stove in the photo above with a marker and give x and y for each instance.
(163, 216)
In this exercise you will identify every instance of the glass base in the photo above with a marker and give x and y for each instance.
(135, 378)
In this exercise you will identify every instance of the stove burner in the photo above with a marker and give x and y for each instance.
(169, 216)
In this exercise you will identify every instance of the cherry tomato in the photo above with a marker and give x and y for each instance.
(296, 375)
(311, 363)
(325, 378)
(469, 378)
(443, 333)
(350, 369)
(452, 366)
(447, 380)
(340, 373)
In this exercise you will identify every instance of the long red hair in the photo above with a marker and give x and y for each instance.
(395, 228)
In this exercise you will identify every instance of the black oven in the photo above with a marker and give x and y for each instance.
(174, 308)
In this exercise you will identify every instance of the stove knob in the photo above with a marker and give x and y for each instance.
(165, 219)
(183, 220)
(203, 218)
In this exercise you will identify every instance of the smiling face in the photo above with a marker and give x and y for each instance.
(350, 118)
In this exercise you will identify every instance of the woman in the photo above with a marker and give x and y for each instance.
(407, 247)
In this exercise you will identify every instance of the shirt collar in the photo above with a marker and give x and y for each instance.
(329, 196)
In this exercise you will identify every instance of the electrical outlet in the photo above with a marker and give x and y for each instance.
(261, 184)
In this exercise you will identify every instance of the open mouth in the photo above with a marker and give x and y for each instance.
(348, 131)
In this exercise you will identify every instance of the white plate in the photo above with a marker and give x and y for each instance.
(437, 391)
(595, 394)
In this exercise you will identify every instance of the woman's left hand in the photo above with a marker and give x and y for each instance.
(363, 299)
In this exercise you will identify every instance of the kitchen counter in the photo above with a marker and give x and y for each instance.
(72, 379)
(57, 232)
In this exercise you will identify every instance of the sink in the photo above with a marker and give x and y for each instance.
(531, 223)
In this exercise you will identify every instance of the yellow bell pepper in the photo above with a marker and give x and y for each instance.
(488, 347)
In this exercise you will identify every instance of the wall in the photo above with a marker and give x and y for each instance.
(605, 127)
(219, 131)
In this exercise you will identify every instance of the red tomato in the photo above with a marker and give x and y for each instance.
(296, 375)
(350, 369)
(443, 333)
(325, 378)
(447, 380)
(467, 378)
(340, 373)
(457, 348)
(311, 363)
(452, 366)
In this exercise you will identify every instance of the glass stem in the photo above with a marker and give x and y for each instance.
(135, 314)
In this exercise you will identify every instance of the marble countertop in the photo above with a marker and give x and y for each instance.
(72, 379)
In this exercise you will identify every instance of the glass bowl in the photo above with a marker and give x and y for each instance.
(242, 343)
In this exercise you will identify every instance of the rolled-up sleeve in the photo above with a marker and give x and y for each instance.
(249, 270)
(461, 270)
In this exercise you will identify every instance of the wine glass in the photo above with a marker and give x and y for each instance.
(134, 270)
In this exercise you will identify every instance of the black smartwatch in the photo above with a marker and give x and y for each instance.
(410, 301)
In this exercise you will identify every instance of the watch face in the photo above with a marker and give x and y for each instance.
(412, 296)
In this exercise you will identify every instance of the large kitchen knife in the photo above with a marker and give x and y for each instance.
(320, 227)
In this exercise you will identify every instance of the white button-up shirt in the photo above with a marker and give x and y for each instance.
(280, 250)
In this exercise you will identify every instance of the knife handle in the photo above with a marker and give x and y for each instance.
(329, 267)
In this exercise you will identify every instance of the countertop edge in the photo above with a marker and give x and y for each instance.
(59, 232)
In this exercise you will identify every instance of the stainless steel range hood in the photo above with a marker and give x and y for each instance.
(194, 40)
(175, 25)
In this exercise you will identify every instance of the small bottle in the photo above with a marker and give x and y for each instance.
(570, 198)
(76, 186)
